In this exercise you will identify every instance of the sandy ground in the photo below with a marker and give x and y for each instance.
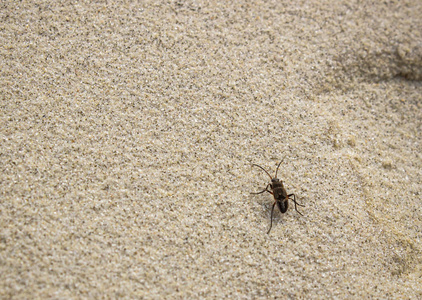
(128, 133)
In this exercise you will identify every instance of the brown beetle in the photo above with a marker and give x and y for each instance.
(280, 195)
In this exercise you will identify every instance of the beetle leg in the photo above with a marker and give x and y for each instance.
(271, 224)
(269, 185)
(259, 192)
(294, 200)
(264, 190)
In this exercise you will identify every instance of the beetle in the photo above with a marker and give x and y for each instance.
(276, 188)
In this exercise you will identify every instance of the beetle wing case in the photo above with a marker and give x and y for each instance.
(283, 205)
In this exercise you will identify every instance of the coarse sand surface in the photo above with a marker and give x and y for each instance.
(128, 131)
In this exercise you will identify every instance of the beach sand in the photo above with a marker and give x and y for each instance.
(128, 133)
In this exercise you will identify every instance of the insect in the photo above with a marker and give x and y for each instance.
(281, 198)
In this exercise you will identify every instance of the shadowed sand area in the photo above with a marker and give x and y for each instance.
(128, 131)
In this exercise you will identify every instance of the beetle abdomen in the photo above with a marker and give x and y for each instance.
(283, 205)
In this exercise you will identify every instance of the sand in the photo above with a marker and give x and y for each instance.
(128, 133)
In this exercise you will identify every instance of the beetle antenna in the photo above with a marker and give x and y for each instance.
(263, 169)
(276, 171)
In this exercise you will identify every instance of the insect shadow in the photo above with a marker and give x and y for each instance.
(276, 188)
